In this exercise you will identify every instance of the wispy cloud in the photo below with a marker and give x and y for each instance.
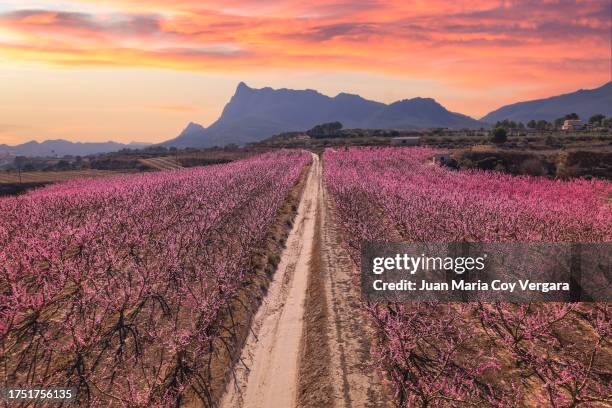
(417, 38)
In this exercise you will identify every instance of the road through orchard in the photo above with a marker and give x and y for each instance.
(275, 355)
(272, 350)
(119, 287)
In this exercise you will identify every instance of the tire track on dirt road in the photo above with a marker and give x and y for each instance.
(357, 381)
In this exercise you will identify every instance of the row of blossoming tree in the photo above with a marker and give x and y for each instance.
(477, 354)
(120, 287)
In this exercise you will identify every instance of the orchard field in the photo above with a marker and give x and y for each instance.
(476, 354)
(121, 287)
(237, 285)
(51, 176)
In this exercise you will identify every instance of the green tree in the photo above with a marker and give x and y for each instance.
(597, 119)
(532, 124)
(506, 124)
(499, 135)
(542, 125)
(330, 129)
(572, 116)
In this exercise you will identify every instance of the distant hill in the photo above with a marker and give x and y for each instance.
(255, 114)
(585, 102)
(63, 148)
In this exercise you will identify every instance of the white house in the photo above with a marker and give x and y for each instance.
(572, 124)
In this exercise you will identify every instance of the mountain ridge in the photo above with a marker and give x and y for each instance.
(584, 102)
(61, 147)
(255, 114)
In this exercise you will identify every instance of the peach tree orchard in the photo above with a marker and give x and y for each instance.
(120, 287)
(477, 354)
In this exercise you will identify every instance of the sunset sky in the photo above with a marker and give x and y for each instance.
(132, 70)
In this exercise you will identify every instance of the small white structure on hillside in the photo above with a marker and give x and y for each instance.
(572, 124)
(406, 141)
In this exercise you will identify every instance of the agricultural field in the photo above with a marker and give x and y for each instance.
(128, 288)
(306, 204)
(13, 183)
(41, 171)
(237, 285)
(51, 176)
(161, 163)
(554, 154)
(476, 354)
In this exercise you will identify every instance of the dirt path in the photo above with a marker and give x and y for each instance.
(272, 349)
(324, 363)
(356, 381)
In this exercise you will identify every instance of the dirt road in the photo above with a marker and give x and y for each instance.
(356, 381)
(272, 349)
(277, 350)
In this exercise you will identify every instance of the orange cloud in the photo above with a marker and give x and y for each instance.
(419, 38)
(474, 44)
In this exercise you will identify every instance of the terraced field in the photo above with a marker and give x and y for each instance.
(161, 163)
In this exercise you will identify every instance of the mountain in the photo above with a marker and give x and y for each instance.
(63, 148)
(419, 113)
(585, 102)
(255, 114)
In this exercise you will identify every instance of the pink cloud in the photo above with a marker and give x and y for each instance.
(468, 43)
